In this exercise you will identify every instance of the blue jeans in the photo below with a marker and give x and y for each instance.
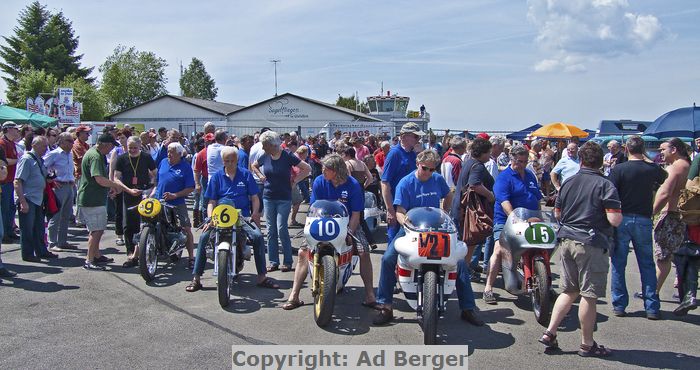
(254, 235)
(486, 252)
(392, 232)
(387, 278)
(638, 230)
(31, 226)
(7, 207)
(2, 234)
(277, 219)
(304, 187)
(203, 202)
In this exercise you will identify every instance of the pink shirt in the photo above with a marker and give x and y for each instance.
(361, 153)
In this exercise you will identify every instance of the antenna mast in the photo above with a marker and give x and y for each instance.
(275, 61)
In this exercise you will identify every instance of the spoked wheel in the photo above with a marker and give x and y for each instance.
(430, 307)
(148, 254)
(541, 294)
(325, 298)
(224, 277)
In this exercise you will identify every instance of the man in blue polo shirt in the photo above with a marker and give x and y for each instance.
(424, 187)
(233, 184)
(399, 162)
(515, 187)
(336, 184)
(174, 182)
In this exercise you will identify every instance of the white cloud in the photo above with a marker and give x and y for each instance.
(575, 33)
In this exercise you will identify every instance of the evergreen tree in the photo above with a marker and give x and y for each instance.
(351, 103)
(196, 82)
(41, 41)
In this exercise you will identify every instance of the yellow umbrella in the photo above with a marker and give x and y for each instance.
(559, 130)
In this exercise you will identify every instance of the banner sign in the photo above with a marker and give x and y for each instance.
(62, 107)
(65, 96)
(362, 129)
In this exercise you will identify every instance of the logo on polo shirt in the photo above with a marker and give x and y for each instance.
(533, 185)
(241, 184)
(344, 194)
(177, 171)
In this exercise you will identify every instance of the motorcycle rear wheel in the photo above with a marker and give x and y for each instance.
(224, 277)
(148, 254)
(541, 300)
(324, 301)
(430, 307)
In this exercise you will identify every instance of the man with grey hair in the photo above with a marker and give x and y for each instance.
(567, 166)
(173, 137)
(614, 156)
(60, 162)
(214, 161)
(452, 163)
(209, 128)
(497, 144)
(380, 155)
(256, 151)
(174, 182)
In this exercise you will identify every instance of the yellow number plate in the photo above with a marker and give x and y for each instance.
(224, 215)
(149, 207)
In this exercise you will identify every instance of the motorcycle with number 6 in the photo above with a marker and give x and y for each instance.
(227, 247)
(530, 239)
(427, 264)
(331, 260)
(161, 236)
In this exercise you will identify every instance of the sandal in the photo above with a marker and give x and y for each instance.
(285, 268)
(193, 287)
(594, 351)
(290, 305)
(268, 282)
(272, 268)
(373, 305)
(549, 340)
(130, 262)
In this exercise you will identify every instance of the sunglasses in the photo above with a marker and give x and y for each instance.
(429, 169)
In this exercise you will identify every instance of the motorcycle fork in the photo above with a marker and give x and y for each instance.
(314, 281)
(441, 292)
(528, 259)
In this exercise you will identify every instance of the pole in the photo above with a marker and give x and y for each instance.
(275, 61)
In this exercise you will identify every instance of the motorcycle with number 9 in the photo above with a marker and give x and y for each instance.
(331, 259)
(427, 264)
(161, 236)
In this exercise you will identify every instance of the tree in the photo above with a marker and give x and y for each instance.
(41, 41)
(94, 106)
(351, 103)
(31, 83)
(196, 82)
(131, 77)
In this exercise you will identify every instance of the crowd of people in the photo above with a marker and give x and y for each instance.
(604, 202)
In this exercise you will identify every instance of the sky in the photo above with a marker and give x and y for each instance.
(479, 65)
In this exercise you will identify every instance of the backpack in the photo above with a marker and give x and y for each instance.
(689, 203)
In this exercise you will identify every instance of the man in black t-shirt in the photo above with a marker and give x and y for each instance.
(636, 181)
(134, 172)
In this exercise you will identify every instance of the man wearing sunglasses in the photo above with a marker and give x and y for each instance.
(422, 188)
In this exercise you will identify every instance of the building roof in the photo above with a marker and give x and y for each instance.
(210, 105)
(356, 114)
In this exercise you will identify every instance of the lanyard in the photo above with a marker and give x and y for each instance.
(137, 164)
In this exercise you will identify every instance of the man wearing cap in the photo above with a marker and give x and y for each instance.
(29, 186)
(336, 138)
(80, 147)
(60, 162)
(92, 198)
(162, 136)
(7, 204)
(400, 161)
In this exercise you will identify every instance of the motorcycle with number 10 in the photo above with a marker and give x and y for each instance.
(427, 264)
(331, 259)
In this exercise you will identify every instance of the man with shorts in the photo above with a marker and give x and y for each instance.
(669, 231)
(174, 182)
(588, 207)
(92, 198)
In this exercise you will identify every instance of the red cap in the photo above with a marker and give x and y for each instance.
(83, 128)
(483, 135)
(209, 137)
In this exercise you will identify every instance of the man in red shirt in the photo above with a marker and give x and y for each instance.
(80, 147)
(380, 154)
(7, 204)
(201, 177)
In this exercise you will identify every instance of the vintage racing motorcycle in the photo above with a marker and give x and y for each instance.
(161, 236)
(331, 260)
(427, 264)
(530, 237)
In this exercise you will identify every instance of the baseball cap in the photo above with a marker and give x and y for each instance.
(9, 124)
(107, 139)
(82, 128)
(411, 128)
(209, 137)
(483, 135)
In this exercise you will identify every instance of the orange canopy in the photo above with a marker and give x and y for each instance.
(559, 130)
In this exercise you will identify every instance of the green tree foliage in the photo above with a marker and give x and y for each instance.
(41, 41)
(196, 82)
(94, 107)
(31, 83)
(131, 77)
(351, 103)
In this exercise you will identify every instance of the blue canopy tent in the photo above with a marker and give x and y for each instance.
(677, 123)
(522, 134)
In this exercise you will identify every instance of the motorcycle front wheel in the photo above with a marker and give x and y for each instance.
(148, 254)
(541, 299)
(324, 300)
(430, 307)
(224, 277)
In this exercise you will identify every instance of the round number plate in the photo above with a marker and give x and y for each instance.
(149, 207)
(539, 234)
(324, 229)
(224, 215)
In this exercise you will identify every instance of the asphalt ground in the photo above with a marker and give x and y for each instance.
(58, 315)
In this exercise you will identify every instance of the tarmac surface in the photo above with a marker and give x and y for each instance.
(58, 315)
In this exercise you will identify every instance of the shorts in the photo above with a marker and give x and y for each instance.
(497, 228)
(95, 218)
(297, 198)
(584, 269)
(182, 215)
(669, 233)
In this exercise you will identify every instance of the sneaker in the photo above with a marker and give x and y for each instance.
(55, 248)
(471, 317)
(619, 313)
(489, 297)
(49, 255)
(653, 316)
(384, 316)
(7, 273)
(131, 262)
(476, 277)
(103, 259)
(91, 266)
(119, 242)
(638, 295)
